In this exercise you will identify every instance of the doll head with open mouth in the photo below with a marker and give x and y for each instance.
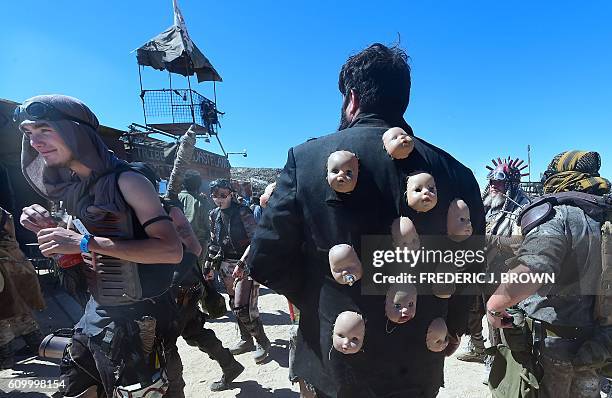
(342, 171)
(400, 303)
(421, 192)
(397, 143)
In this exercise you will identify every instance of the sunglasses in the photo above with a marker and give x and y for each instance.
(220, 196)
(43, 111)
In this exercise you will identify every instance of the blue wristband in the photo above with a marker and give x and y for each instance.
(85, 243)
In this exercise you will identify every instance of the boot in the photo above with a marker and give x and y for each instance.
(7, 357)
(33, 341)
(230, 372)
(246, 341)
(475, 352)
(230, 367)
(262, 349)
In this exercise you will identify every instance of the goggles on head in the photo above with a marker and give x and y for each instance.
(220, 184)
(506, 170)
(498, 175)
(504, 173)
(42, 111)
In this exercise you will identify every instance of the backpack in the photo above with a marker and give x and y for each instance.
(600, 209)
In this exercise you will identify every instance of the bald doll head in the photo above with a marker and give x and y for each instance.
(400, 303)
(437, 335)
(342, 171)
(349, 332)
(344, 264)
(458, 222)
(397, 143)
(404, 234)
(421, 192)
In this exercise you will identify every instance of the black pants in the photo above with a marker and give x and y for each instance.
(192, 328)
(81, 364)
(87, 362)
(190, 325)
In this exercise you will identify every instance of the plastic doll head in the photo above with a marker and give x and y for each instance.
(349, 332)
(443, 290)
(344, 264)
(404, 234)
(437, 335)
(458, 223)
(342, 171)
(397, 143)
(400, 304)
(421, 192)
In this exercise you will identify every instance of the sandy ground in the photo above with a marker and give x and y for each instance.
(34, 377)
(270, 379)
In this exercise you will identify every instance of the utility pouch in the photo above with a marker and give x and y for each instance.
(515, 371)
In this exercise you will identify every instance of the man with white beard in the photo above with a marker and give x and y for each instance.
(503, 200)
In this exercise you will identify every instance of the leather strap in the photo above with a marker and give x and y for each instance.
(156, 219)
(565, 332)
(542, 209)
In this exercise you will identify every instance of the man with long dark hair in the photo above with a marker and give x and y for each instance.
(306, 217)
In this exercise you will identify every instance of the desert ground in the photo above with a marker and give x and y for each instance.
(269, 379)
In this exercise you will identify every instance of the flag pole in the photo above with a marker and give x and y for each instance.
(529, 160)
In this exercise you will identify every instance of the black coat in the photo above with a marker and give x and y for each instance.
(305, 218)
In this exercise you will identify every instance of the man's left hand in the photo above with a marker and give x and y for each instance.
(58, 241)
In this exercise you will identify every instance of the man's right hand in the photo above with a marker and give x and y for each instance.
(35, 217)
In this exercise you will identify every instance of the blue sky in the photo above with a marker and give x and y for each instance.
(489, 77)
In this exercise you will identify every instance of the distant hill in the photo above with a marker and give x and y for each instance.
(259, 177)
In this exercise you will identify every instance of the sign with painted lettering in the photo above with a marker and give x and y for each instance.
(208, 164)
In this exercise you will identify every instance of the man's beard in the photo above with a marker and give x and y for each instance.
(344, 122)
(494, 201)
